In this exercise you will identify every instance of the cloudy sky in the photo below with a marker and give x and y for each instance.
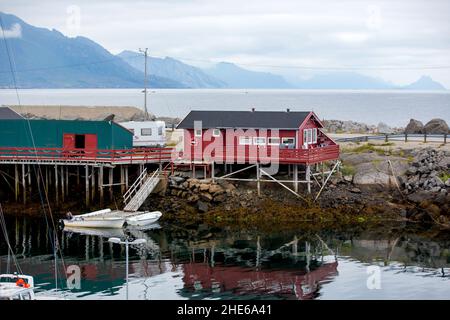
(395, 40)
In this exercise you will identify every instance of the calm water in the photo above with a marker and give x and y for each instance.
(214, 263)
(392, 107)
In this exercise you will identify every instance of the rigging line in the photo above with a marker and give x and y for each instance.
(38, 173)
(8, 243)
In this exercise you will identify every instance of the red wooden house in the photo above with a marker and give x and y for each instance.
(256, 136)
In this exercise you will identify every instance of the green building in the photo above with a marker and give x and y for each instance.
(64, 134)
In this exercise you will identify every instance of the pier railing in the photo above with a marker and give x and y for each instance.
(126, 156)
(423, 137)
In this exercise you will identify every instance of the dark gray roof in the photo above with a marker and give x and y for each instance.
(245, 119)
(7, 113)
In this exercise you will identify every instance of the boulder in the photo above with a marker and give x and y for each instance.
(384, 128)
(215, 189)
(414, 126)
(204, 187)
(206, 196)
(436, 126)
(202, 206)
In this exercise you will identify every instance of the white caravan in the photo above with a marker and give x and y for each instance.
(147, 133)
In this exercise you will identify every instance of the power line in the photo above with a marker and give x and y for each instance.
(304, 67)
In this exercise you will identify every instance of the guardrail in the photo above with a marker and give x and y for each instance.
(439, 138)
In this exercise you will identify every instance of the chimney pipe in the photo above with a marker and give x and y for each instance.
(253, 109)
(288, 110)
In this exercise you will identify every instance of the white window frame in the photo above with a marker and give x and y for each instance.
(257, 143)
(197, 134)
(284, 140)
(160, 131)
(314, 135)
(245, 141)
(271, 143)
(216, 133)
(145, 134)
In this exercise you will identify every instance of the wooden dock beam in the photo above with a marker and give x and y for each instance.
(86, 180)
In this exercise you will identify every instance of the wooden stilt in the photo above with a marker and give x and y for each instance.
(308, 177)
(56, 185)
(93, 183)
(295, 177)
(86, 180)
(212, 172)
(126, 177)
(63, 188)
(29, 178)
(24, 187)
(100, 183)
(193, 171)
(258, 178)
(122, 180)
(111, 177)
(16, 182)
(78, 175)
(46, 179)
(67, 180)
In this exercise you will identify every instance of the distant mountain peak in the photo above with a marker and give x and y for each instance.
(425, 82)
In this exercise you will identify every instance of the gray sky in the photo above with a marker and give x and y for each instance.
(348, 33)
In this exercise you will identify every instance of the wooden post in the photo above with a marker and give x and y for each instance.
(122, 179)
(295, 177)
(126, 177)
(406, 137)
(46, 179)
(212, 172)
(78, 175)
(24, 185)
(111, 178)
(425, 137)
(445, 138)
(29, 178)
(258, 182)
(204, 171)
(16, 182)
(386, 138)
(67, 180)
(308, 177)
(56, 184)
(93, 183)
(100, 183)
(193, 171)
(63, 191)
(86, 180)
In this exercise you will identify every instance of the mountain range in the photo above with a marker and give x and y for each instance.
(43, 58)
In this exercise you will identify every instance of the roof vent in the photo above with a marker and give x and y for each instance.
(253, 109)
(288, 110)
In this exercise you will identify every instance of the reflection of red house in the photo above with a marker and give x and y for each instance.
(246, 281)
(250, 136)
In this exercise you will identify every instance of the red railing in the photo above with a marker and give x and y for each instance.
(266, 155)
(84, 155)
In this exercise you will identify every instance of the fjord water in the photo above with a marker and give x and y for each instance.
(393, 107)
(201, 262)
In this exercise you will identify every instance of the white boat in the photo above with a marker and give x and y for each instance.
(97, 219)
(143, 218)
(20, 287)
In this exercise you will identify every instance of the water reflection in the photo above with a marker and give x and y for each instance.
(212, 263)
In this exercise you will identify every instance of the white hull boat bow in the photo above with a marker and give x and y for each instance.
(143, 218)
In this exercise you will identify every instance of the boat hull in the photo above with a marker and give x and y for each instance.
(144, 219)
(111, 223)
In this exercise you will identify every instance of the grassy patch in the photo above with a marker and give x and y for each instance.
(348, 170)
(369, 147)
(444, 176)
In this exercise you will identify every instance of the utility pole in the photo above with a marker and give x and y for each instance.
(145, 52)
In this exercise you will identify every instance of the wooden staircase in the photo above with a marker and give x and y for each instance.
(140, 190)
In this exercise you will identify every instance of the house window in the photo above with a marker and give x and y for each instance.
(198, 132)
(146, 131)
(216, 133)
(259, 141)
(273, 141)
(288, 140)
(245, 141)
(310, 136)
(160, 131)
